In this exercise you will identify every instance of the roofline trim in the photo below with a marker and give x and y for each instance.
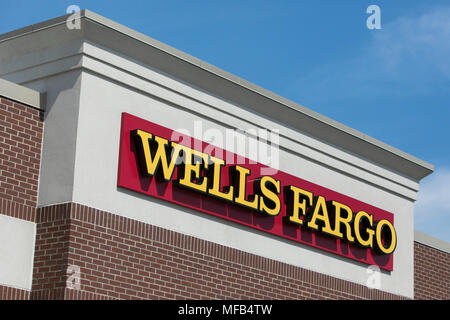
(432, 242)
(24, 95)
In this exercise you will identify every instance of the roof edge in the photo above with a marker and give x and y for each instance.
(432, 242)
(22, 94)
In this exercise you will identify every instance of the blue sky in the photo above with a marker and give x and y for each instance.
(392, 84)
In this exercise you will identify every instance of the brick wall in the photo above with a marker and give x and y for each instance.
(8, 293)
(431, 273)
(20, 152)
(21, 129)
(121, 258)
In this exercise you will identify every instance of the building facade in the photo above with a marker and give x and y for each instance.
(88, 212)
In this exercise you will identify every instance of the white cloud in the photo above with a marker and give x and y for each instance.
(432, 209)
(421, 39)
(406, 57)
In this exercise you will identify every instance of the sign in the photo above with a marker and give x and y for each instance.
(198, 177)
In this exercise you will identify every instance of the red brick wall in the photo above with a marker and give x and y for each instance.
(431, 273)
(8, 293)
(122, 258)
(51, 252)
(20, 152)
(21, 129)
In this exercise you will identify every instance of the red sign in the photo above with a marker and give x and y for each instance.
(152, 163)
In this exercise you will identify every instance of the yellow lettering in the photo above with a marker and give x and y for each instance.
(298, 207)
(214, 181)
(320, 206)
(381, 225)
(191, 166)
(241, 188)
(157, 163)
(338, 220)
(357, 227)
(270, 195)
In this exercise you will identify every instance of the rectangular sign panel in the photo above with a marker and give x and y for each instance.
(162, 163)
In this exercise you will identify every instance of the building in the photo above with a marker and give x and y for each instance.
(94, 204)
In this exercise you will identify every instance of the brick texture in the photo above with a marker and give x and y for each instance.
(121, 258)
(21, 129)
(431, 273)
(51, 252)
(20, 152)
(8, 293)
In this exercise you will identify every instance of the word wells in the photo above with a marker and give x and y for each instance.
(185, 167)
